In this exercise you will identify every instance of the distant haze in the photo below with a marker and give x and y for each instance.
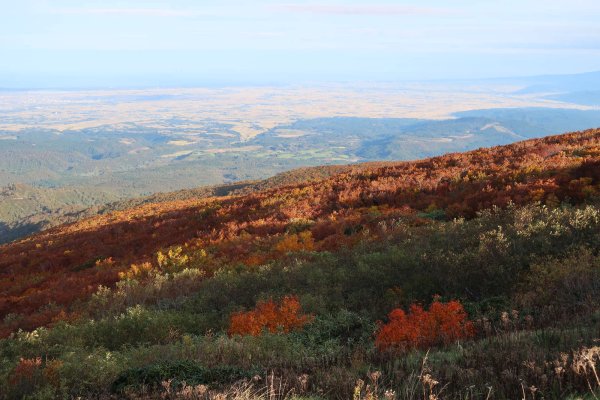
(131, 43)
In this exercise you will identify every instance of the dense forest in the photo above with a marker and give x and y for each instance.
(465, 276)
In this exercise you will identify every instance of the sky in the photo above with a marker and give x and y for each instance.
(134, 43)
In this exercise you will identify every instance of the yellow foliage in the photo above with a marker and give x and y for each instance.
(302, 241)
(136, 271)
(173, 260)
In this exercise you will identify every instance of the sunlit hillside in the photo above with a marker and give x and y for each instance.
(468, 275)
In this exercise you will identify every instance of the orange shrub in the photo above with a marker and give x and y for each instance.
(443, 323)
(302, 241)
(137, 271)
(26, 373)
(271, 317)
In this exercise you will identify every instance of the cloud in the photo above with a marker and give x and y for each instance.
(140, 12)
(363, 9)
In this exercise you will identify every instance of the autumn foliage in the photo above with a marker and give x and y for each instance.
(269, 316)
(443, 323)
(43, 276)
(300, 242)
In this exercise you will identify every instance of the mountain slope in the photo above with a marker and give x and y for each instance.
(58, 264)
(26, 209)
(65, 177)
(470, 275)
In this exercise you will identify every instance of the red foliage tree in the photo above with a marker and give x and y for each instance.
(271, 317)
(443, 323)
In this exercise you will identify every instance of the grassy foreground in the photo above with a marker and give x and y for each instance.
(529, 278)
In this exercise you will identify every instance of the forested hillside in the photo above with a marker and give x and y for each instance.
(465, 276)
(31, 209)
(49, 177)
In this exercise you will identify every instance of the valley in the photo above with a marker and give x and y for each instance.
(73, 151)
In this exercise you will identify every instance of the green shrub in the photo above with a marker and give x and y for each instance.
(179, 372)
(561, 287)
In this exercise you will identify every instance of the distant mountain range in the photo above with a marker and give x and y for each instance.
(559, 83)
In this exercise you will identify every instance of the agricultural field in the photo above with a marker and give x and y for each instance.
(66, 153)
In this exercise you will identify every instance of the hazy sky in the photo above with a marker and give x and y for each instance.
(56, 43)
